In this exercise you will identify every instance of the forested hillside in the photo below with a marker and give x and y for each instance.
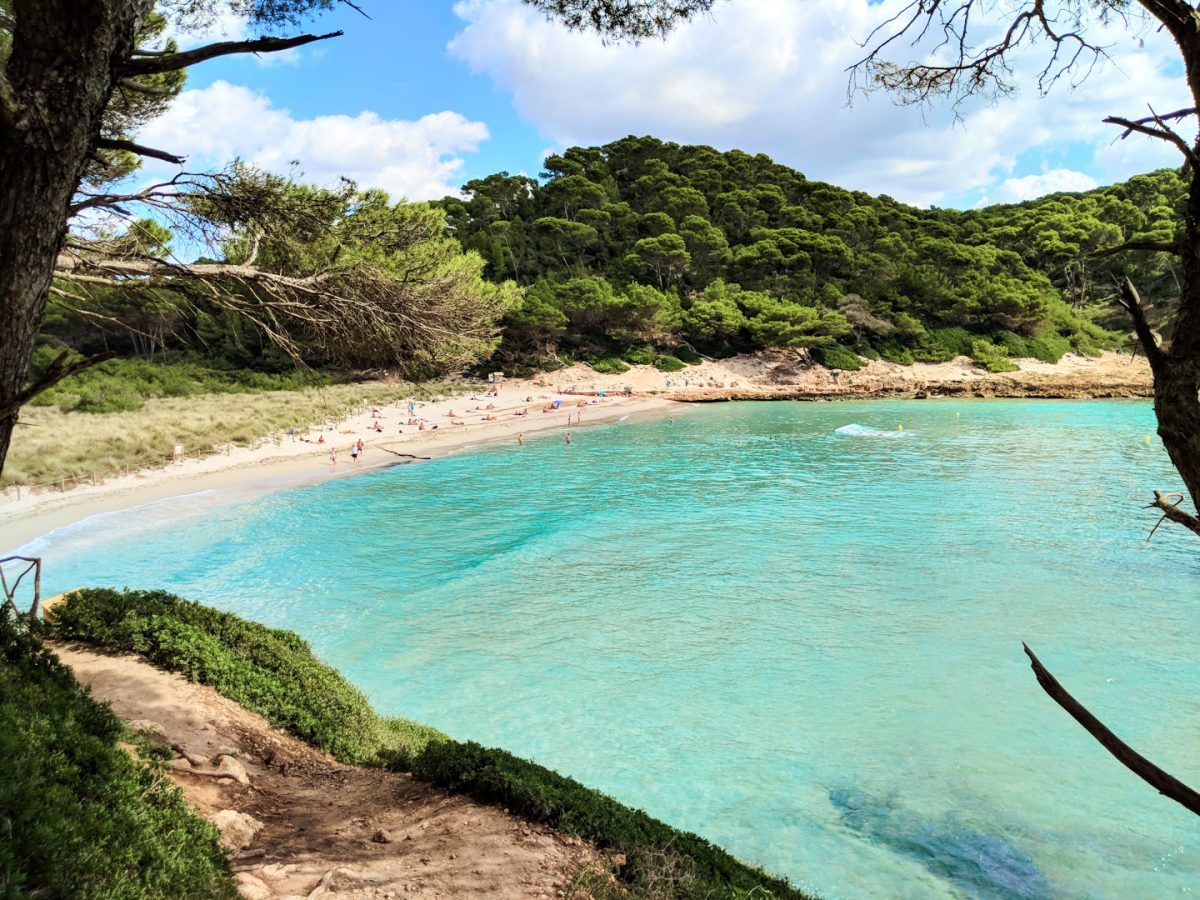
(642, 248)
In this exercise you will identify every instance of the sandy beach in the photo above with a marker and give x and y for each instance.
(291, 460)
(562, 400)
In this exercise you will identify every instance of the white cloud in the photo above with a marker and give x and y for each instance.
(769, 76)
(416, 160)
(1030, 187)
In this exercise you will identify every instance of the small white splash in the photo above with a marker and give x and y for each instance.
(856, 430)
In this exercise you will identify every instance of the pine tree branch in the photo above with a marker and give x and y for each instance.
(175, 61)
(1147, 246)
(1132, 304)
(1163, 782)
(58, 370)
(139, 149)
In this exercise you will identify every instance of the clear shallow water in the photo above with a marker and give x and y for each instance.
(802, 643)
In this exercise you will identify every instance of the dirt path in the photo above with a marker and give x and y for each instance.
(316, 827)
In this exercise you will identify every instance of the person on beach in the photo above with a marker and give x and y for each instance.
(333, 455)
(354, 454)
(521, 440)
(321, 439)
(360, 445)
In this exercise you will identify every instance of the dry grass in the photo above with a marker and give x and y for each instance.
(50, 445)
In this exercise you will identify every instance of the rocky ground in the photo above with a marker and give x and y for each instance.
(298, 824)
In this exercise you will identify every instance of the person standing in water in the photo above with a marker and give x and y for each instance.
(521, 440)
(568, 437)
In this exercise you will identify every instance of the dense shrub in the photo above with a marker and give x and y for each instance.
(837, 357)
(688, 355)
(79, 817)
(274, 673)
(670, 364)
(951, 341)
(268, 671)
(639, 356)
(608, 365)
(991, 357)
(121, 385)
(538, 793)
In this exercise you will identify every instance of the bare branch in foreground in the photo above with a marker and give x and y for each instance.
(1132, 304)
(145, 65)
(1144, 246)
(139, 149)
(1163, 782)
(1169, 504)
(58, 370)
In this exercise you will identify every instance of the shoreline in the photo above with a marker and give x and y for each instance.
(286, 461)
(299, 462)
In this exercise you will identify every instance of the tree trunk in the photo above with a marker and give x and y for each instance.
(61, 72)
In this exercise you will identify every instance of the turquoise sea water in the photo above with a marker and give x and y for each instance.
(800, 642)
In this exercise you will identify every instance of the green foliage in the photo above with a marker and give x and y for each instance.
(78, 816)
(759, 256)
(608, 365)
(563, 803)
(991, 357)
(270, 672)
(274, 673)
(837, 357)
(688, 355)
(669, 364)
(121, 385)
(639, 356)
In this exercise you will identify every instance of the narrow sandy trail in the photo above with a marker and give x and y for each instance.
(304, 825)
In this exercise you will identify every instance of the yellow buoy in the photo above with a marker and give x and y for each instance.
(900, 427)
(956, 415)
(1147, 439)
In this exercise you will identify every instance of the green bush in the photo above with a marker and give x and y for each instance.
(837, 357)
(538, 793)
(895, 352)
(953, 342)
(108, 396)
(670, 364)
(639, 356)
(991, 357)
(79, 817)
(689, 356)
(608, 365)
(1013, 344)
(268, 671)
(274, 673)
(121, 385)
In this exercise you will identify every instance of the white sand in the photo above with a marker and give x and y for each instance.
(296, 460)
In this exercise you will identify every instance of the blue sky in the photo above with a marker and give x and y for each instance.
(425, 95)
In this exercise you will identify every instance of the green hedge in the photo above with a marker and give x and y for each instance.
(639, 356)
(991, 357)
(669, 364)
(837, 357)
(608, 365)
(79, 817)
(268, 671)
(275, 674)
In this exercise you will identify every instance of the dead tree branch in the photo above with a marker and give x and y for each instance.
(1161, 781)
(139, 149)
(58, 370)
(153, 65)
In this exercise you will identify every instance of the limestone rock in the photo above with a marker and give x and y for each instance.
(179, 765)
(229, 767)
(238, 830)
(250, 887)
(382, 837)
